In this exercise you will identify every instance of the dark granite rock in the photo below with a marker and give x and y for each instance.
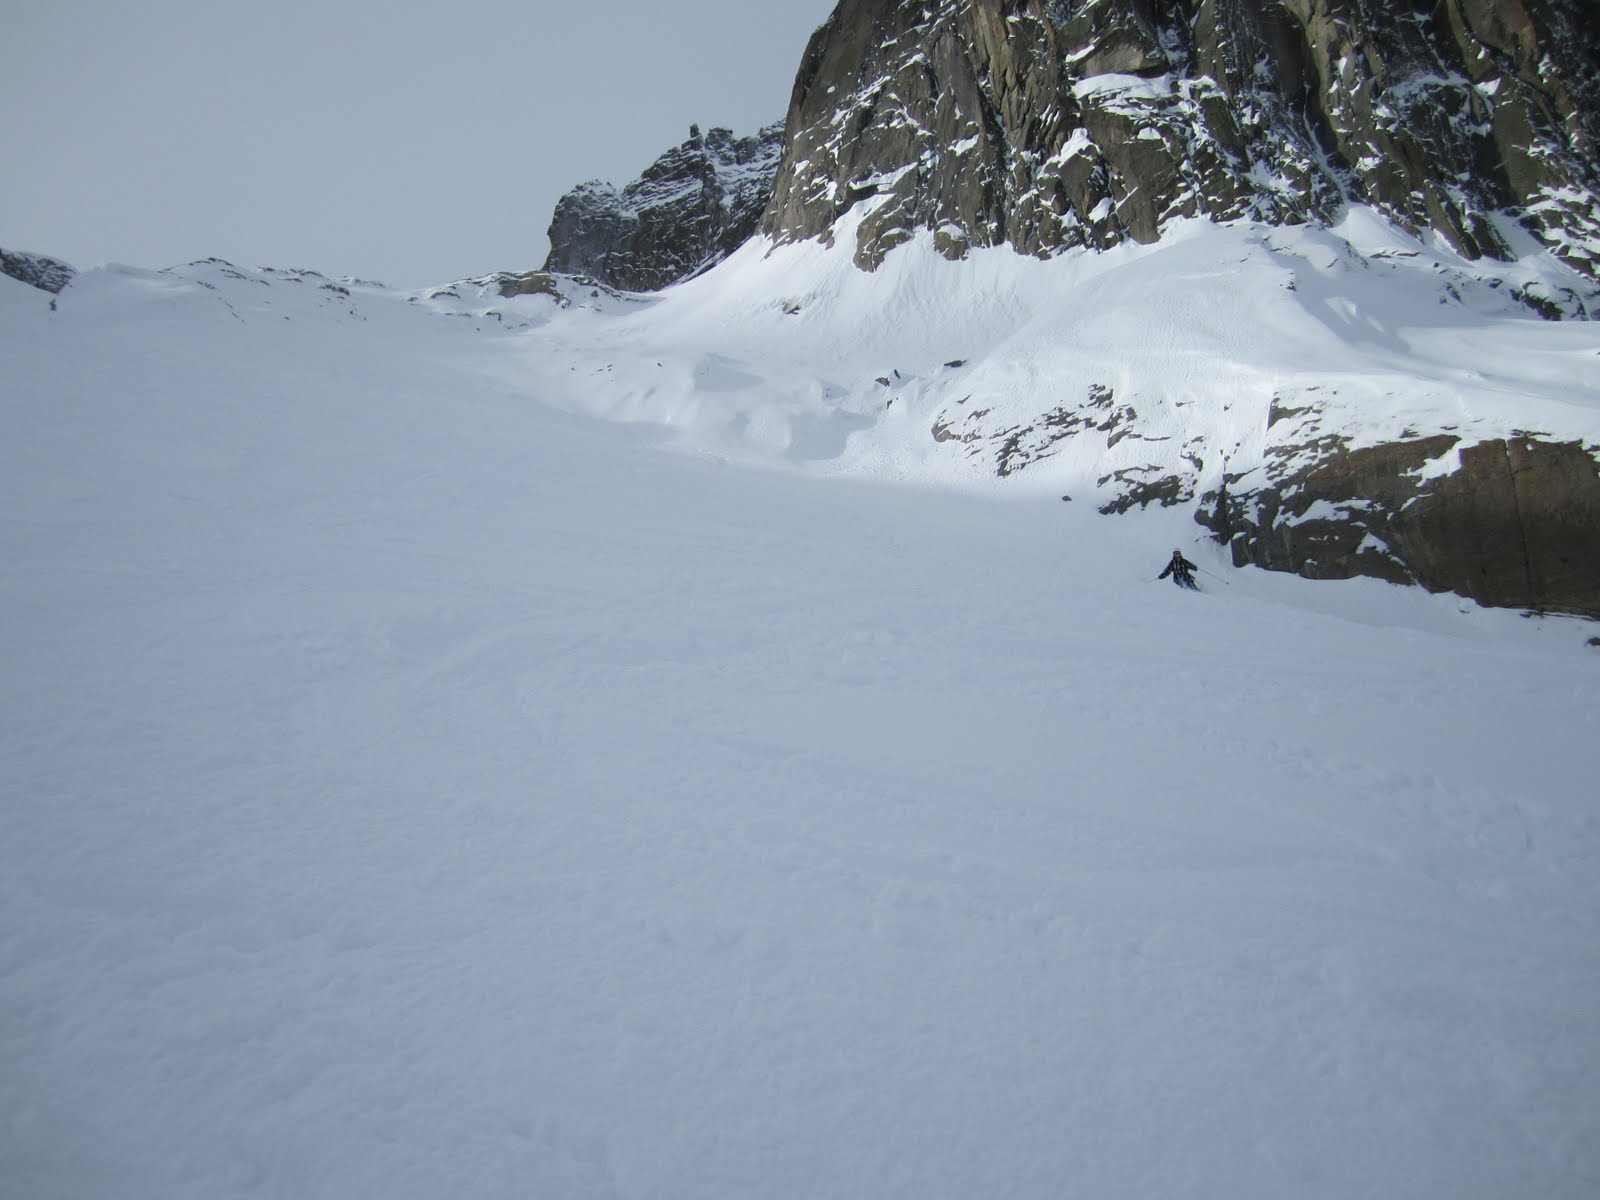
(1088, 122)
(1517, 525)
(47, 274)
(1143, 487)
(693, 207)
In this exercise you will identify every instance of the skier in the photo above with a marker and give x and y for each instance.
(1182, 571)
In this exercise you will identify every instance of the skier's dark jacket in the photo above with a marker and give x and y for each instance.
(1181, 565)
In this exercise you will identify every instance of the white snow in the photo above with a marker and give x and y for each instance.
(1199, 335)
(1447, 463)
(1326, 510)
(414, 787)
(1077, 143)
(1113, 89)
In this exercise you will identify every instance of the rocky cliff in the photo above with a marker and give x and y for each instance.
(36, 270)
(1051, 125)
(693, 207)
(1515, 524)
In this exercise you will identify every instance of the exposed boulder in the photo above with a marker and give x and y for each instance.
(47, 274)
(693, 207)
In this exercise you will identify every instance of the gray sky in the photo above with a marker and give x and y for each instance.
(411, 141)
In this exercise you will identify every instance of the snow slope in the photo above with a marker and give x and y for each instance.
(413, 787)
(792, 355)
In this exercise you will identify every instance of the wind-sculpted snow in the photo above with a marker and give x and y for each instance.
(414, 790)
(1219, 371)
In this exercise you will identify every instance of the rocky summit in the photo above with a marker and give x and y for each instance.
(694, 206)
(1052, 125)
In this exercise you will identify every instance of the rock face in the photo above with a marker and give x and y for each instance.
(46, 274)
(694, 206)
(1050, 125)
(1517, 525)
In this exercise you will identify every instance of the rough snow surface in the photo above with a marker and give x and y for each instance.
(414, 789)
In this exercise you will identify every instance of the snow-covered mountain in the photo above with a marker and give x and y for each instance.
(535, 736)
(1355, 213)
(1350, 400)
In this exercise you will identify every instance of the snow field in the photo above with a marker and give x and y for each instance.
(413, 790)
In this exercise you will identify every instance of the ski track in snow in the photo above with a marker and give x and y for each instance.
(411, 790)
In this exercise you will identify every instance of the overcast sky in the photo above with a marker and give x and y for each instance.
(410, 141)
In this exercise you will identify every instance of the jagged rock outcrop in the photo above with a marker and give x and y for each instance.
(693, 207)
(1517, 525)
(1050, 124)
(47, 274)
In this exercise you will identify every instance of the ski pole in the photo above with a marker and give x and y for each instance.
(1218, 578)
